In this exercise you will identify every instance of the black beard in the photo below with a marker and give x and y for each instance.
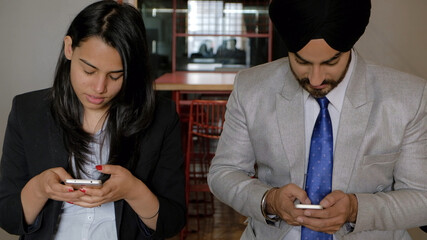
(318, 93)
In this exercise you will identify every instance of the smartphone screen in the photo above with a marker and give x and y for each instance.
(308, 206)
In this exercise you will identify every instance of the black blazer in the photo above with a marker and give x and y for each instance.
(33, 143)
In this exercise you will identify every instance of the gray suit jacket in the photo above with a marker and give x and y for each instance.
(380, 152)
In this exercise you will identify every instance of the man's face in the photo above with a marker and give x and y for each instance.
(319, 68)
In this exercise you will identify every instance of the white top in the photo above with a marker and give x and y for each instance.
(97, 223)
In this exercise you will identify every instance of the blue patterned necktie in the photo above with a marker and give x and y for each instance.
(319, 171)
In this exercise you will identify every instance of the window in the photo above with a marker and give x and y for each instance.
(208, 35)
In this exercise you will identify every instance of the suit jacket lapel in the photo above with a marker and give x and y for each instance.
(290, 112)
(118, 210)
(58, 154)
(353, 122)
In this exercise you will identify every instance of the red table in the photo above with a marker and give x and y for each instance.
(195, 82)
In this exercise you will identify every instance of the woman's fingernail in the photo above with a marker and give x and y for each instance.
(70, 202)
(71, 190)
(83, 190)
(99, 167)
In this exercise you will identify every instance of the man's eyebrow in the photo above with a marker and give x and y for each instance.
(301, 58)
(337, 55)
(333, 58)
(87, 63)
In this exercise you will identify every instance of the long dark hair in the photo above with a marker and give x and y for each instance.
(121, 27)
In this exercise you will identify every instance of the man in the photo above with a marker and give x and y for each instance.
(324, 117)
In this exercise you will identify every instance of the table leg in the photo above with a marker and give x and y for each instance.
(176, 99)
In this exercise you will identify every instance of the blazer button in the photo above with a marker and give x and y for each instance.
(380, 188)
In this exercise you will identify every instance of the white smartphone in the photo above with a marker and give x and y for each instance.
(308, 206)
(77, 183)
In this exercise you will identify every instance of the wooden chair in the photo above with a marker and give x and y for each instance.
(206, 119)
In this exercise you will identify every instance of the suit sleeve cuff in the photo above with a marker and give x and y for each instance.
(31, 228)
(148, 232)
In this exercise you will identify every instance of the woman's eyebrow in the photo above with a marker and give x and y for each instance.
(90, 65)
(87, 63)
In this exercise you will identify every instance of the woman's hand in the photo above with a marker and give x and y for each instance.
(123, 185)
(46, 185)
(50, 185)
(120, 185)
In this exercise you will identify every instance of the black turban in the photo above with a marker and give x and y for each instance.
(339, 22)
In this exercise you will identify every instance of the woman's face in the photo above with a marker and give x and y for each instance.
(96, 73)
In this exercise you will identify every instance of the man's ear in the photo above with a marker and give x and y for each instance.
(68, 48)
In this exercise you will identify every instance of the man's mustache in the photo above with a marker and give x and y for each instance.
(306, 81)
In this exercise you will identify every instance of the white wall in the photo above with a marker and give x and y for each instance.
(31, 35)
(396, 35)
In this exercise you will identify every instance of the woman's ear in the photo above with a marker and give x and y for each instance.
(68, 48)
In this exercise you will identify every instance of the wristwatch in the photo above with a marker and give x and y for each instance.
(349, 226)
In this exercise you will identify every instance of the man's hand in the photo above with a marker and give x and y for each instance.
(339, 208)
(280, 202)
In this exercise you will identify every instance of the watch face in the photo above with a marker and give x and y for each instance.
(350, 227)
(272, 218)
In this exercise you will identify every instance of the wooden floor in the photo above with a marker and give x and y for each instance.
(227, 224)
(224, 224)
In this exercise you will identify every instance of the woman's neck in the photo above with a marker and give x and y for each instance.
(93, 121)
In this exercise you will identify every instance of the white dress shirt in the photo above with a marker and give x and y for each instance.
(311, 110)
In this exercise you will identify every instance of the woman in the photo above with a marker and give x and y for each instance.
(100, 120)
